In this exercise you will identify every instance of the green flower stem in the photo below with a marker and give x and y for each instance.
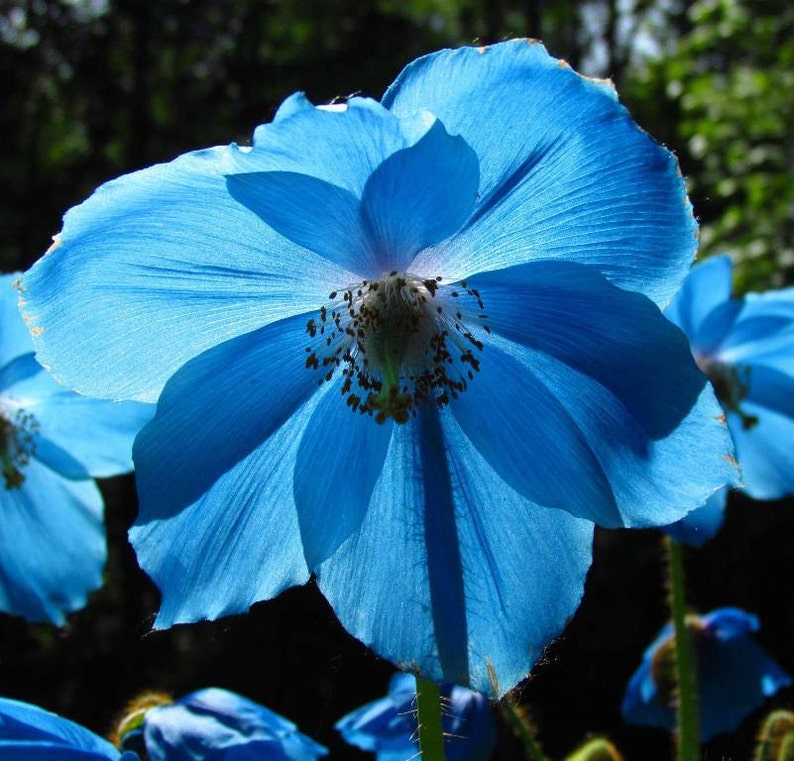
(428, 717)
(686, 704)
(523, 730)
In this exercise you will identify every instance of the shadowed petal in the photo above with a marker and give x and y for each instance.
(339, 460)
(565, 172)
(419, 196)
(236, 544)
(562, 439)
(214, 471)
(618, 338)
(440, 514)
(53, 540)
(311, 213)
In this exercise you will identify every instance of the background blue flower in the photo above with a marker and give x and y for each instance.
(734, 674)
(217, 725)
(29, 733)
(541, 390)
(387, 727)
(52, 442)
(746, 347)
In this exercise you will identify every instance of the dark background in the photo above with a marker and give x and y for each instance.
(94, 88)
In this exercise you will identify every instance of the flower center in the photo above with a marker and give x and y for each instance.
(17, 431)
(731, 384)
(398, 341)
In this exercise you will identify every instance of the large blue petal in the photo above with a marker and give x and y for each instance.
(215, 472)
(75, 435)
(565, 173)
(765, 451)
(53, 545)
(419, 196)
(159, 265)
(14, 336)
(340, 458)
(453, 574)
(563, 439)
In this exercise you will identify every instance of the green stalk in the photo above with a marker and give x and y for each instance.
(428, 717)
(687, 736)
(522, 730)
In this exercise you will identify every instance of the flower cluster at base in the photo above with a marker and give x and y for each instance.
(734, 675)
(53, 442)
(388, 728)
(208, 725)
(412, 347)
(746, 348)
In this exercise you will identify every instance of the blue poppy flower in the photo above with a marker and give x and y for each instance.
(746, 347)
(214, 725)
(387, 727)
(29, 733)
(410, 346)
(734, 675)
(52, 443)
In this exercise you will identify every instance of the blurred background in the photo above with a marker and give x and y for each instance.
(95, 88)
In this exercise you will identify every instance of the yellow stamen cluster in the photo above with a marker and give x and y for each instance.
(397, 341)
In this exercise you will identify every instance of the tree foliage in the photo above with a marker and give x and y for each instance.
(726, 92)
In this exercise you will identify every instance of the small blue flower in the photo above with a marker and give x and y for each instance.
(734, 674)
(214, 725)
(52, 443)
(412, 347)
(29, 733)
(387, 727)
(746, 347)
